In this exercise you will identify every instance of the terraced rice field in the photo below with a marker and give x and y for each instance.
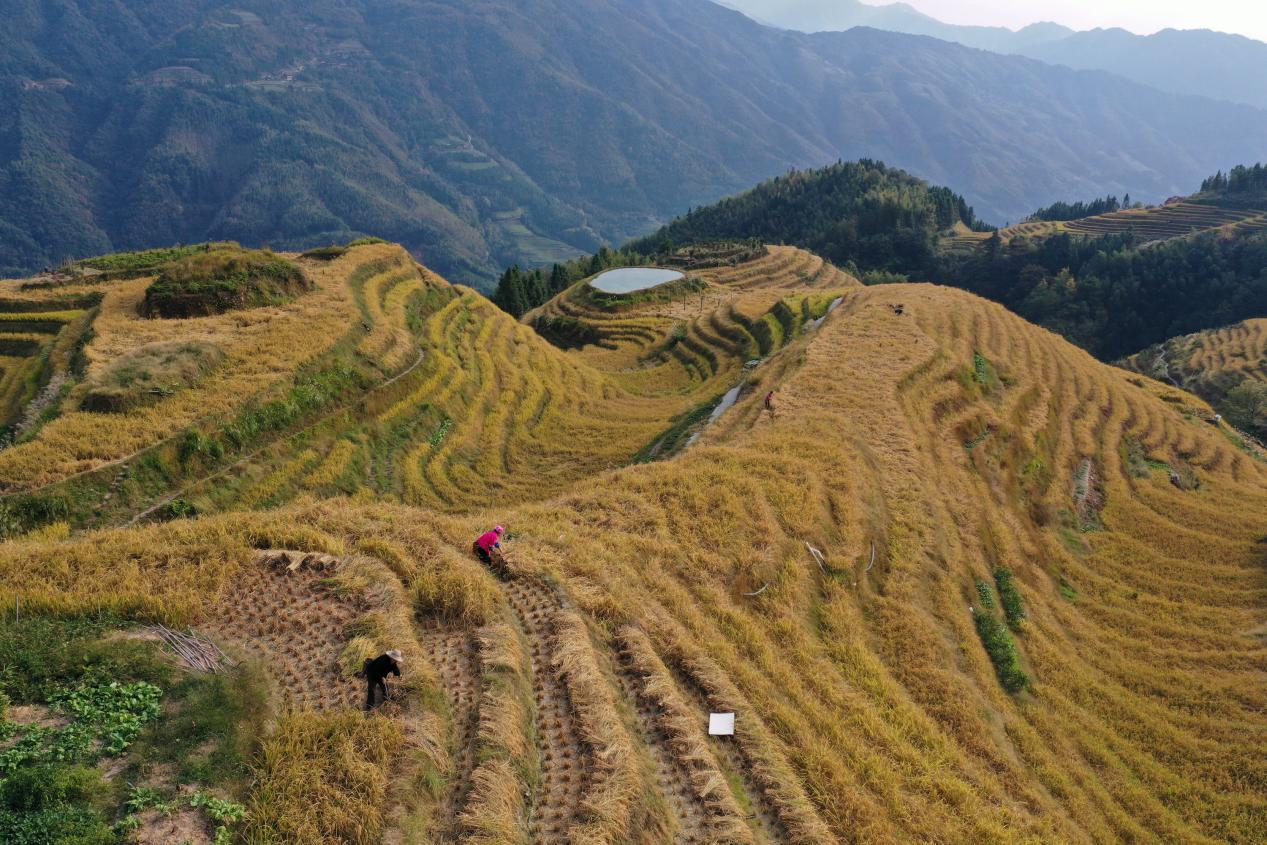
(39, 337)
(1208, 360)
(1150, 224)
(1171, 221)
(1213, 364)
(493, 412)
(821, 571)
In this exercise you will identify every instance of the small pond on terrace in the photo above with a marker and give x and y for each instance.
(633, 279)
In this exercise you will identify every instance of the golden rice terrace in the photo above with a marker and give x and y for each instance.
(958, 583)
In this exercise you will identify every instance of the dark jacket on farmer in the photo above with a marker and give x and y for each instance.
(376, 672)
(380, 667)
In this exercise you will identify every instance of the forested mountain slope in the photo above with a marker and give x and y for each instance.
(1220, 65)
(487, 132)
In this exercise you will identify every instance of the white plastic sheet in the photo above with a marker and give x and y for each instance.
(721, 724)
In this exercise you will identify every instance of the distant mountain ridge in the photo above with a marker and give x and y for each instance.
(488, 132)
(1199, 62)
(838, 15)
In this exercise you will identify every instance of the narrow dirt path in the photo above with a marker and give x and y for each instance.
(764, 815)
(672, 773)
(455, 655)
(564, 757)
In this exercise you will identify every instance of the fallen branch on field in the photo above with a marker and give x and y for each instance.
(196, 651)
(818, 556)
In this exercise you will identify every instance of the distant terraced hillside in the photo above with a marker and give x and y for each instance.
(1159, 223)
(964, 584)
(1227, 367)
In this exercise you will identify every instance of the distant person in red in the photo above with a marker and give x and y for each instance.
(769, 402)
(488, 541)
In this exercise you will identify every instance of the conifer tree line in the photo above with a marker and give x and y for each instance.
(1078, 210)
(1240, 180)
(860, 215)
(1114, 296)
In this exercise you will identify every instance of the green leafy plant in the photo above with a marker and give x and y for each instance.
(986, 594)
(223, 812)
(437, 436)
(105, 719)
(1010, 597)
(1001, 648)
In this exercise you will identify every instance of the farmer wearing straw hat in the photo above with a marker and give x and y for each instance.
(376, 672)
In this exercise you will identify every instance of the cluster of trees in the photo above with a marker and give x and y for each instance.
(856, 214)
(1245, 406)
(1078, 210)
(519, 291)
(1113, 297)
(1239, 181)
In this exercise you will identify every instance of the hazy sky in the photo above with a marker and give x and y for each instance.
(1246, 17)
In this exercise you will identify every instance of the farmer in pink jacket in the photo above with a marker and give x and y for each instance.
(488, 541)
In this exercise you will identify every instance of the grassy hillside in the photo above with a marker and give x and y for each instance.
(964, 584)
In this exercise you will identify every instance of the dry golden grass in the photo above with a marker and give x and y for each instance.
(494, 811)
(680, 723)
(324, 779)
(607, 806)
(919, 452)
(263, 348)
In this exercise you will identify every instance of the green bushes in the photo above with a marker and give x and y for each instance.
(148, 259)
(567, 332)
(24, 513)
(222, 280)
(1010, 597)
(1246, 407)
(768, 332)
(54, 803)
(1001, 648)
(325, 253)
(148, 374)
(986, 594)
(995, 636)
(311, 393)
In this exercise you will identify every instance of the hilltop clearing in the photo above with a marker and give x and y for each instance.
(964, 584)
(1227, 367)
